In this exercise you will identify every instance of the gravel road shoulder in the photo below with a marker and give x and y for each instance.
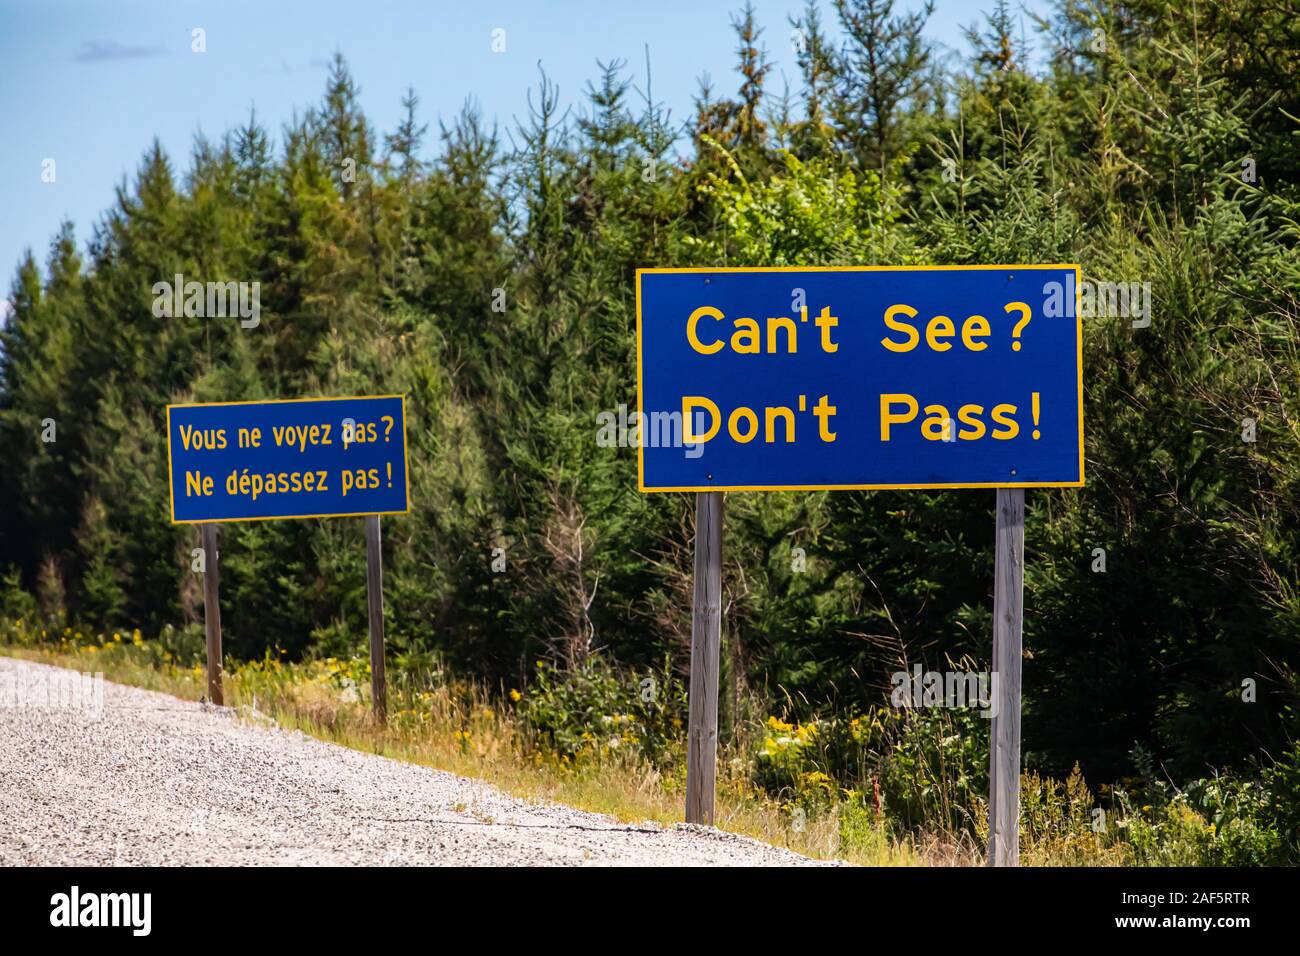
(153, 780)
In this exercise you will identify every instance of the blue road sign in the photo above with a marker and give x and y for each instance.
(300, 458)
(872, 377)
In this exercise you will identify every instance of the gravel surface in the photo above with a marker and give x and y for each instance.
(141, 778)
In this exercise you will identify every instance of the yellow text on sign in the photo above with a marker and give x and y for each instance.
(901, 408)
(705, 336)
(940, 329)
(743, 422)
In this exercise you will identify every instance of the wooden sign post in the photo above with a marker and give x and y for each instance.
(212, 611)
(1004, 731)
(706, 635)
(375, 600)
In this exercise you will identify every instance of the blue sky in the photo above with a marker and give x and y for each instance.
(89, 84)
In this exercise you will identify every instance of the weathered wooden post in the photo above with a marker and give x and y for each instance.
(375, 600)
(1004, 732)
(212, 611)
(706, 630)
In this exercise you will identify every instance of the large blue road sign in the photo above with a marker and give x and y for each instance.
(872, 377)
(301, 458)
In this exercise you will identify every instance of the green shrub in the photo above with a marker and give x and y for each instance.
(925, 767)
(597, 711)
(15, 603)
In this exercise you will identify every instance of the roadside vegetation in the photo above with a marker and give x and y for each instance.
(888, 787)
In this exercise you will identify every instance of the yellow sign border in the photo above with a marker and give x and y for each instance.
(406, 457)
(1078, 318)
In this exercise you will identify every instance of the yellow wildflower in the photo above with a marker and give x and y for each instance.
(778, 725)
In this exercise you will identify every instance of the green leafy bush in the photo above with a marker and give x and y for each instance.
(597, 712)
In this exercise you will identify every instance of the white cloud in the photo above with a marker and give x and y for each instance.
(94, 51)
